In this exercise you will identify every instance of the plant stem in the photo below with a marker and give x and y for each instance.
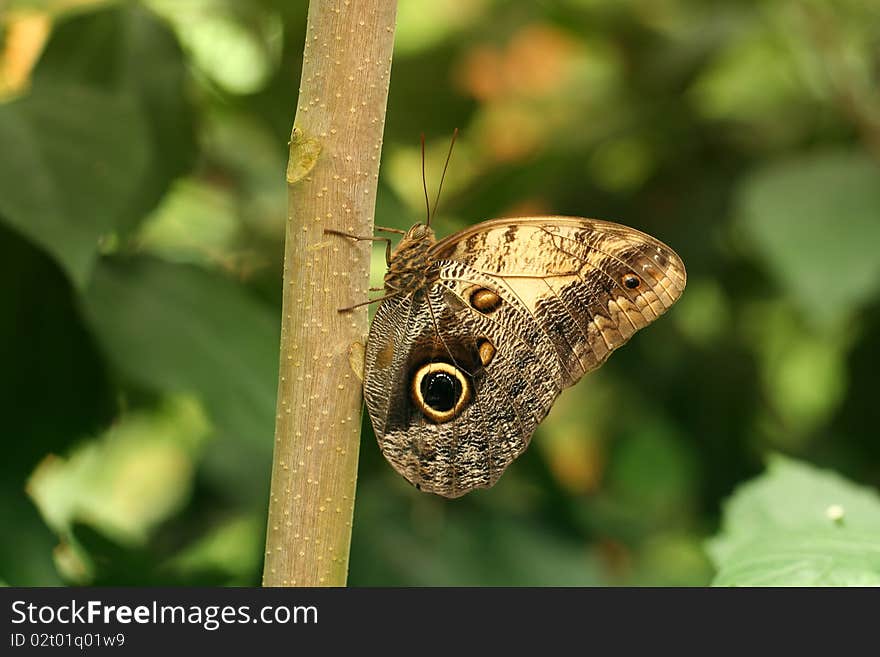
(332, 176)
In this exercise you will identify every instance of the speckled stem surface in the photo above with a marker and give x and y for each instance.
(332, 176)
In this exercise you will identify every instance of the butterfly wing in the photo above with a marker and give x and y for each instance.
(590, 284)
(460, 373)
(469, 447)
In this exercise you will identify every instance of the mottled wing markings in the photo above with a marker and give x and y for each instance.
(618, 327)
(610, 256)
(512, 320)
(572, 325)
(478, 419)
(576, 256)
(527, 358)
(391, 384)
(519, 292)
(520, 394)
(457, 456)
(612, 331)
(626, 303)
(483, 420)
(450, 468)
(389, 308)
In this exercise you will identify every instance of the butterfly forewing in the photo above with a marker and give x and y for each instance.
(589, 283)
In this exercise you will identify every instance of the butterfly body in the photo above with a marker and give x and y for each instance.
(408, 269)
(481, 331)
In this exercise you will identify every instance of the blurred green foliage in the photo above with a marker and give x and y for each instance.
(142, 204)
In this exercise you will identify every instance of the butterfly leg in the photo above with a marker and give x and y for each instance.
(366, 303)
(373, 238)
(383, 229)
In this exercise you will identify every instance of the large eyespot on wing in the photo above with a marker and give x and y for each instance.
(440, 390)
(589, 284)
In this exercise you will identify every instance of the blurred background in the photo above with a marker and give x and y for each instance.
(142, 205)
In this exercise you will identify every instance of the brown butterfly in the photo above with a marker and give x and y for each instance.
(477, 335)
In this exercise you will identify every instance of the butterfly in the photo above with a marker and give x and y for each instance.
(478, 333)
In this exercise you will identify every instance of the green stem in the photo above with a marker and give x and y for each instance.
(332, 177)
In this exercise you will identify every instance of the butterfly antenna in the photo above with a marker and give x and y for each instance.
(443, 176)
(425, 184)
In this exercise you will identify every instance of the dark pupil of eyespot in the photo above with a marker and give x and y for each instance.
(631, 282)
(441, 391)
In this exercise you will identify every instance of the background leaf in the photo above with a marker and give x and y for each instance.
(127, 51)
(815, 220)
(178, 328)
(798, 525)
(813, 558)
(66, 176)
(100, 136)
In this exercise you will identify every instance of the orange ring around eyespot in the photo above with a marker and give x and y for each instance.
(631, 277)
(416, 391)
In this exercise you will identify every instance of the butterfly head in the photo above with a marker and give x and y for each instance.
(421, 233)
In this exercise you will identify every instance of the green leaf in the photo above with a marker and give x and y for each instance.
(829, 557)
(128, 51)
(815, 222)
(180, 328)
(176, 328)
(127, 480)
(72, 159)
(234, 546)
(196, 223)
(103, 132)
(799, 525)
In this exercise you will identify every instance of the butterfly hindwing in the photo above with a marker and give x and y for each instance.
(472, 448)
